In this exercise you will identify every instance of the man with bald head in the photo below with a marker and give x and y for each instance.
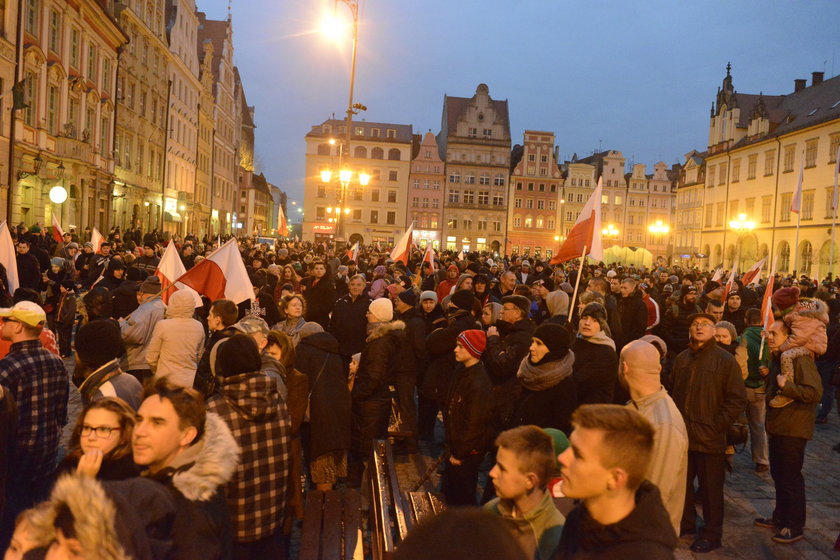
(638, 371)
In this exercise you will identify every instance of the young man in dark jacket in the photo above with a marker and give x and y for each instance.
(621, 514)
(709, 391)
(348, 322)
(414, 357)
(319, 292)
(633, 313)
(220, 320)
(789, 428)
(466, 417)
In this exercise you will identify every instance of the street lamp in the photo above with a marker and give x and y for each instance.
(658, 229)
(741, 225)
(610, 232)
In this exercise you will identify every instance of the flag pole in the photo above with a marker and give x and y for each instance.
(577, 281)
(834, 209)
(796, 243)
(770, 309)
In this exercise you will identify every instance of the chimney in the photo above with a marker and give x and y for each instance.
(817, 78)
(799, 85)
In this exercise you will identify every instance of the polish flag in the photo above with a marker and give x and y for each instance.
(461, 255)
(97, 240)
(353, 252)
(766, 305)
(222, 275)
(585, 233)
(403, 246)
(718, 274)
(429, 257)
(283, 226)
(171, 268)
(8, 256)
(796, 201)
(729, 284)
(752, 275)
(57, 232)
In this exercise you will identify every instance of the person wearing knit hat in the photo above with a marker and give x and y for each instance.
(380, 310)
(521, 302)
(236, 355)
(428, 294)
(468, 417)
(490, 313)
(151, 285)
(596, 363)
(99, 347)
(726, 336)
(463, 299)
(554, 337)
(785, 299)
(408, 297)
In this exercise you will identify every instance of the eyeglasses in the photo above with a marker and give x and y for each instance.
(703, 325)
(509, 308)
(100, 431)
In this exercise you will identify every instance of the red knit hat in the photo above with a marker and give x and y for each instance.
(785, 298)
(474, 341)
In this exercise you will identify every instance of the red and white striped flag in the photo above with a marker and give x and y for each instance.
(796, 201)
(222, 275)
(718, 274)
(403, 246)
(766, 305)
(8, 256)
(353, 252)
(96, 239)
(585, 233)
(57, 232)
(753, 274)
(429, 257)
(171, 268)
(729, 284)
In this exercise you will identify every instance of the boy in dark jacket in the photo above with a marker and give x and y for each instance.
(467, 418)
(65, 316)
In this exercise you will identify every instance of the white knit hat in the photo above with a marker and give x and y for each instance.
(382, 309)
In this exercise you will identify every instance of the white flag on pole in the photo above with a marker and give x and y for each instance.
(8, 256)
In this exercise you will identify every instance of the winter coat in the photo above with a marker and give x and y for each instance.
(320, 298)
(808, 327)
(645, 533)
(137, 331)
(66, 312)
(379, 362)
(502, 357)
(256, 414)
(551, 407)
(440, 345)
(805, 388)
(537, 531)
(202, 527)
(415, 338)
(751, 341)
(177, 342)
(111, 469)
(348, 323)
(124, 299)
(595, 370)
(110, 381)
(29, 271)
(377, 288)
(468, 413)
(675, 326)
(634, 316)
(205, 371)
(433, 320)
(708, 389)
(146, 264)
(736, 318)
(318, 357)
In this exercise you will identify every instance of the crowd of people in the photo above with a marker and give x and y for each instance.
(201, 419)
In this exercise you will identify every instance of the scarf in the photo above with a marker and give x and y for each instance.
(539, 377)
(600, 338)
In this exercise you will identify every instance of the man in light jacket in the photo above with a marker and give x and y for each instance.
(137, 328)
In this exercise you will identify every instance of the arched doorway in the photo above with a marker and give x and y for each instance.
(826, 265)
(718, 256)
(806, 258)
(783, 254)
(730, 256)
(749, 251)
(495, 246)
(762, 251)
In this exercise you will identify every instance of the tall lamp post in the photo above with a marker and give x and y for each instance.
(741, 225)
(658, 229)
(345, 177)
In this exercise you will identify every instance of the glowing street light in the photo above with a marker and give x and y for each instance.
(741, 225)
(610, 231)
(326, 175)
(658, 228)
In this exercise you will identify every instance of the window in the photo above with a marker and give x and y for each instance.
(377, 153)
(543, 159)
(790, 155)
(710, 176)
(454, 196)
(542, 187)
(374, 195)
(390, 133)
(484, 179)
(357, 194)
(374, 216)
(454, 177)
(708, 216)
(31, 88)
(488, 132)
(472, 131)
(106, 78)
(469, 197)
(394, 154)
(498, 200)
(518, 186)
(415, 202)
(719, 213)
(31, 15)
(436, 185)
(554, 188)
(784, 208)
(392, 196)
(617, 200)
(642, 203)
(483, 197)
(769, 162)
(808, 205)
(811, 152)
(532, 157)
(499, 180)
(752, 161)
(435, 203)
(721, 174)
(736, 170)
(52, 110)
(517, 203)
(104, 129)
(733, 209)
(531, 186)
(605, 199)
(552, 205)
(540, 223)
(766, 208)
(357, 215)
(517, 222)
(392, 175)
(453, 224)
(322, 191)
(469, 179)
(375, 173)
(541, 205)
(425, 202)
(360, 131)
(91, 62)
(320, 212)
(632, 202)
(529, 203)
(55, 31)
(75, 47)
(374, 132)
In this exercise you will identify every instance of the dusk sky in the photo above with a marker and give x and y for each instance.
(638, 77)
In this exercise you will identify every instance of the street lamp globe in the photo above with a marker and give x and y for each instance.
(364, 179)
(326, 175)
(58, 194)
(344, 176)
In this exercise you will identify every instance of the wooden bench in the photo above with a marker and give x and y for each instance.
(332, 526)
(393, 513)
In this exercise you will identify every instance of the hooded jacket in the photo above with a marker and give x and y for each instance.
(502, 357)
(440, 345)
(137, 331)
(468, 415)
(595, 370)
(645, 533)
(751, 341)
(196, 479)
(538, 531)
(256, 414)
(379, 362)
(177, 342)
(110, 381)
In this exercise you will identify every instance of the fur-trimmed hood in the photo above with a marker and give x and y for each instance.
(202, 468)
(94, 517)
(381, 329)
(811, 308)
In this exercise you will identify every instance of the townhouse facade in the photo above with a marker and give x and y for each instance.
(425, 192)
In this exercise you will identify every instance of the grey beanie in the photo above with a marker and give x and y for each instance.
(429, 294)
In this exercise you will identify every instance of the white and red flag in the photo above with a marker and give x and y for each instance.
(461, 255)
(753, 274)
(429, 257)
(282, 224)
(169, 269)
(585, 233)
(222, 275)
(796, 201)
(353, 252)
(766, 305)
(8, 256)
(403, 246)
(96, 239)
(729, 285)
(718, 274)
(57, 232)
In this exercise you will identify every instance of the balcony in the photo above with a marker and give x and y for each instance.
(70, 148)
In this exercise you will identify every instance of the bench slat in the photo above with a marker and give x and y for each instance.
(310, 539)
(352, 525)
(331, 533)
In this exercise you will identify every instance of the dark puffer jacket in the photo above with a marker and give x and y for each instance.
(633, 318)
(709, 391)
(320, 297)
(595, 371)
(380, 360)
(329, 404)
(675, 325)
(468, 413)
(440, 345)
(502, 358)
(348, 323)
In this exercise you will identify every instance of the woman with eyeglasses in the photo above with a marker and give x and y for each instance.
(100, 446)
